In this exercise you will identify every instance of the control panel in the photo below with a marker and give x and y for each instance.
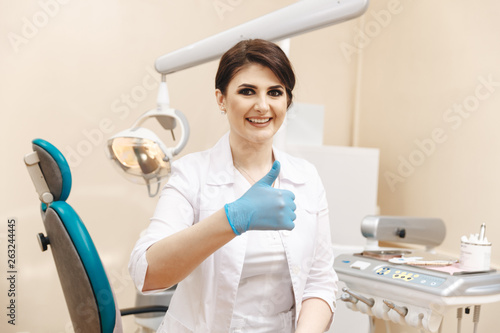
(395, 273)
(407, 294)
(409, 276)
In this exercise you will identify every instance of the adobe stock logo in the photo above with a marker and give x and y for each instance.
(31, 26)
(223, 6)
(373, 27)
(454, 117)
(120, 108)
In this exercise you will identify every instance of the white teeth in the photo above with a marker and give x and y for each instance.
(258, 121)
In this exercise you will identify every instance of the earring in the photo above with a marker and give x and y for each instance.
(222, 109)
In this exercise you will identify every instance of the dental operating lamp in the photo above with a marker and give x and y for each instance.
(140, 154)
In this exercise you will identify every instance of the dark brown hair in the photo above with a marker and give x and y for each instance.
(257, 51)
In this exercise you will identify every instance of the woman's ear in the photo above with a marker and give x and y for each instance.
(221, 100)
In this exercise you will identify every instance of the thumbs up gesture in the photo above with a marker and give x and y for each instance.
(263, 207)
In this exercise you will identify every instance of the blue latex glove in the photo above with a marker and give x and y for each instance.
(263, 207)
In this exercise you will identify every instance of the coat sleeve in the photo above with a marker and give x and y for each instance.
(174, 212)
(322, 279)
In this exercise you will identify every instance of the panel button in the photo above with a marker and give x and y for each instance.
(360, 265)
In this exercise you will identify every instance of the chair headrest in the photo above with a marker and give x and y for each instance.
(55, 169)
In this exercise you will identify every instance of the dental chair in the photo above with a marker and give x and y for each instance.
(89, 297)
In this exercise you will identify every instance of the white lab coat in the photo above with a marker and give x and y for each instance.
(201, 183)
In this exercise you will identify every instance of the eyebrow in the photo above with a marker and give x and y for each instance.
(248, 85)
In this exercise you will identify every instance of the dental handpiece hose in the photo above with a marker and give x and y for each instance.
(475, 319)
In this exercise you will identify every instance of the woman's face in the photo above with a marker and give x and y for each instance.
(256, 104)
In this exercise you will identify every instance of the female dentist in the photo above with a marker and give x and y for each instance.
(243, 228)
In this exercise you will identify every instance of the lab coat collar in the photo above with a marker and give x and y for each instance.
(221, 169)
(289, 169)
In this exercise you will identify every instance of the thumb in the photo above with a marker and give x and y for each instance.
(271, 175)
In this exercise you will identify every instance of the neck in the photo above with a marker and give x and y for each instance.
(255, 159)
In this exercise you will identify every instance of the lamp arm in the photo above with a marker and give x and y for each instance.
(301, 17)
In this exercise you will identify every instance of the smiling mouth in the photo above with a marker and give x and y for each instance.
(259, 120)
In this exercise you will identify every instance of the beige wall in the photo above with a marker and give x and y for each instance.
(85, 71)
(431, 59)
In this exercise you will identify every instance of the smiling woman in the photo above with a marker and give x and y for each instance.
(254, 86)
(243, 228)
(255, 102)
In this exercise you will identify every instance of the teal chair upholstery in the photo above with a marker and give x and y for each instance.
(87, 291)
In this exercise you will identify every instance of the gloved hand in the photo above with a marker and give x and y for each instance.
(263, 207)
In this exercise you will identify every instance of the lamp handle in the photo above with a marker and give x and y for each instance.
(176, 117)
(185, 132)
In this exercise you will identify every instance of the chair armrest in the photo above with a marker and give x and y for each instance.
(143, 309)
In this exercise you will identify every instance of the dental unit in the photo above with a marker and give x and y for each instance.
(412, 287)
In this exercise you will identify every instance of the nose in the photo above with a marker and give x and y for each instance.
(261, 104)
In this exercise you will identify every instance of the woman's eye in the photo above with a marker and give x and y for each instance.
(246, 91)
(275, 93)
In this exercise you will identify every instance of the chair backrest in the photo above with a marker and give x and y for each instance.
(86, 288)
